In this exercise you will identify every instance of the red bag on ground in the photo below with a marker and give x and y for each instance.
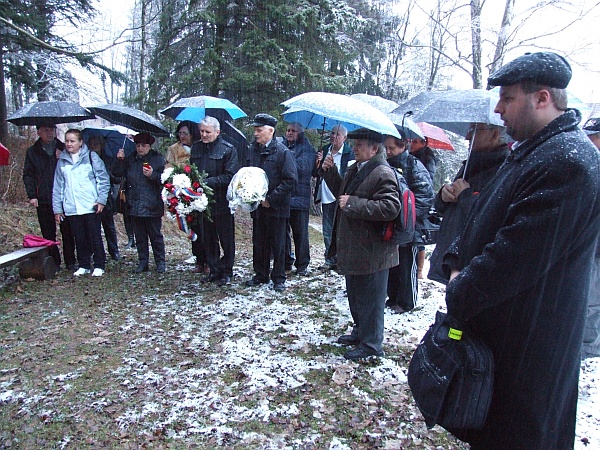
(31, 240)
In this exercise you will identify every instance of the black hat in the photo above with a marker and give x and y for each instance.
(592, 126)
(143, 138)
(263, 119)
(366, 134)
(545, 68)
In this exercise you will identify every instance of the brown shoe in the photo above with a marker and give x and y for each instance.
(198, 269)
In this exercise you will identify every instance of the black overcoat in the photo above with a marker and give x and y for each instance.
(482, 167)
(525, 257)
(143, 193)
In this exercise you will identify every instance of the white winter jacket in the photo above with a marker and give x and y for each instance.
(78, 186)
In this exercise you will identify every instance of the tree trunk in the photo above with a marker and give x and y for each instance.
(476, 43)
(502, 36)
(3, 110)
(141, 94)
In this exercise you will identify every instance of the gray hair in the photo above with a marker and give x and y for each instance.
(341, 128)
(298, 126)
(211, 122)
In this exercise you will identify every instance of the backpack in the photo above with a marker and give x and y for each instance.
(401, 230)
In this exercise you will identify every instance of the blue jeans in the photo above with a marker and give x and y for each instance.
(328, 215)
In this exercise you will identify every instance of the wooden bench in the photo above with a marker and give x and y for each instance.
(34, 262)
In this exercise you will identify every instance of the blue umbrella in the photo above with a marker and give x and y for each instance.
(196, 108)
(114, 140)
(325, 110)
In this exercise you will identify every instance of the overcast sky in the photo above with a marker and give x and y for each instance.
(585, 84)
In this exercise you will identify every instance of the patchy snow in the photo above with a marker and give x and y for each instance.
(202, 365)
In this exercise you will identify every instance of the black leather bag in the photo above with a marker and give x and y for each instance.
(426, 232)
(451, 377)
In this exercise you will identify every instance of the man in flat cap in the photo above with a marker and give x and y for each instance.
(269, 220)
(142, 169)
(367, 197)
(520, 271)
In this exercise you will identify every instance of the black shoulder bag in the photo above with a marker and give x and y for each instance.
(451, 377)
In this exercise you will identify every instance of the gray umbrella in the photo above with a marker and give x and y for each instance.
(131, 118)
(453, 110)
(403, 122)
(49, 113)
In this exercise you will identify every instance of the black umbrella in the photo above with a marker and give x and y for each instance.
(234, 136)
(50, 113)
(131, 118)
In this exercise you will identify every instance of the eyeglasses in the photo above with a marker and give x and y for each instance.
(292, 131)
(183, 133)
(479, 128)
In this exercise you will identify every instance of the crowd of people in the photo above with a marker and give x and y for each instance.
(517, 247)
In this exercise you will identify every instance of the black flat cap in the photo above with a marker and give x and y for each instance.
(592, 126)
(366, 134)
(545, 68)
(263, 119)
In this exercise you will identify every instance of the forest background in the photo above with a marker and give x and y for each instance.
(258, 53)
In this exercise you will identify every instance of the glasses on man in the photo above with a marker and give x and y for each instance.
(183, 133)
(477, 127)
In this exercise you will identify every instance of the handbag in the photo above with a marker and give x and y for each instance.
(31, 240)
(451, 377)
(426, 232)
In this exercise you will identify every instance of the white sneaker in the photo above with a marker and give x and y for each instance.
(97, 272)
(81, 271)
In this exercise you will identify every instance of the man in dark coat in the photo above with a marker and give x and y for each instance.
(520, 273)
(489, 149)
(38, 177)
(142, 170)
(367, 197)
(269, 220)
(591, 334)
(403, 284)
(342, 154)
(304, 157)
(219, 160)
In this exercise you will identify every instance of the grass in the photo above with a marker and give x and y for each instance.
(158, 361)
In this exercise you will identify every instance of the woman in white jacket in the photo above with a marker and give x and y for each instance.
(81, 186)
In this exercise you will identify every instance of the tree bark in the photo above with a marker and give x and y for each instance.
(3, 111)
(476, 43)
(502, 36)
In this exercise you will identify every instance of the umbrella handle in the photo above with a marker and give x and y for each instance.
(469, 154)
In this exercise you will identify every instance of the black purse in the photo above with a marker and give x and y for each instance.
(451, 377)
(426, 232)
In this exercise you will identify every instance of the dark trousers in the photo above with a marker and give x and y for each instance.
(298, 224)
(366, 298)
(128, 225)
(327, 219)
(88, 240)
(220, 234)
(146, 228)
(403, 285)
(110, 231)
(47, 222)
(268, 238)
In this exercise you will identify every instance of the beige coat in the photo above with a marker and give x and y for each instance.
(176, 154)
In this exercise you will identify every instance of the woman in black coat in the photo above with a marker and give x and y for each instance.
(142, 170)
